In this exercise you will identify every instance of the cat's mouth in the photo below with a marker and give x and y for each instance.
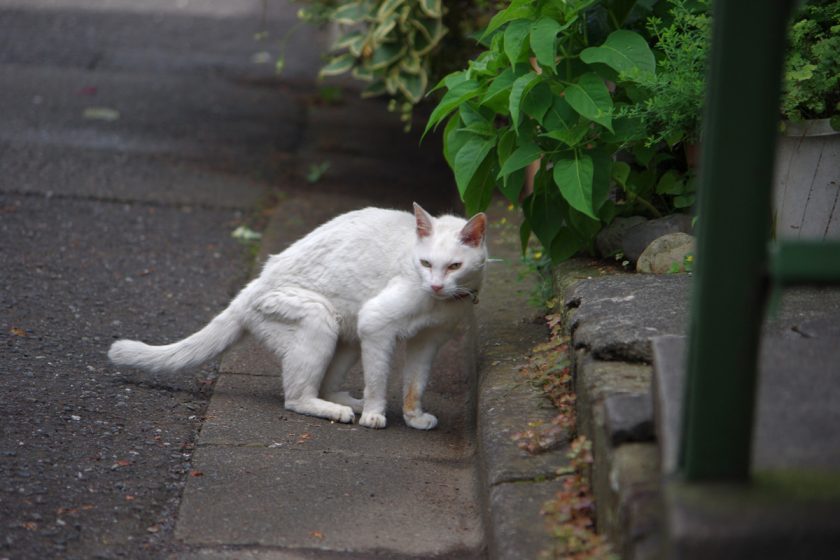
(457, 294)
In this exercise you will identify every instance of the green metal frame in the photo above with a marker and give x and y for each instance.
(731, 281)
(805, 262)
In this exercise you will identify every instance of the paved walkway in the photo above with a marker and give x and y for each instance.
(134, 138)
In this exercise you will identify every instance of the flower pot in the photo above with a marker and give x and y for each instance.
(807, 182)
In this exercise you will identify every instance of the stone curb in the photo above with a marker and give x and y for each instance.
(610, 361)
(514, 483)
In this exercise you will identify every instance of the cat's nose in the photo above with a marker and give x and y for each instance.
(437, 288)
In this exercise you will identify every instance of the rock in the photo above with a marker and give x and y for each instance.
(666, 254)
(609, 240)
(628, 417)
(637, 238)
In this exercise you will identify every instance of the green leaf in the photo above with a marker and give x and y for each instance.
(521, 86)
(511, 186)
(571, 137)
(524, 235)
(432, 30)
(562, 123)
(387, 8)
(516, 45)
(469, 158)
(374, 89)
(506, 144)
(454, 97)
(591, 99)
(453, 139)
(574, 177)
(472, 115)
(684, 201)
(586, 227)
(338, 65)
(543, 41)
(565, 245)
(560, 115)
(521, 157)
(541, 210)
(350, 14)
(518, 9)
(624, 51)
(671, 182)
(479, 191)
(432, 8)
(602, 162)
(385, 54)
(643, 154)
(353, 41)
(537, 102)
(451, 80)
(625, 130)
(620, 172)
(498, 93)
(383, 28)
(413, 86)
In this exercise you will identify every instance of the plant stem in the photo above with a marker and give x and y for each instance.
(648, 206)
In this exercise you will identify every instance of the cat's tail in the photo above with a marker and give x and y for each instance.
(212, 340)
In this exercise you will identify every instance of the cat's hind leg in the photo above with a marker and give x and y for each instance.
(308, 331)
(345, 357)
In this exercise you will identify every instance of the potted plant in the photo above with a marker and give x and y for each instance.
(807, 174)
(806, 189)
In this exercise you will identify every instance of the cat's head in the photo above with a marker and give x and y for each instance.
(450, 254)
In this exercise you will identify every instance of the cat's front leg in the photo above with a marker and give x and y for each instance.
(380, 321)
(420, 353)
(377, 343)
(376, 364)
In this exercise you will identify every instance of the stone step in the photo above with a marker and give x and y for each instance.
(791, 507)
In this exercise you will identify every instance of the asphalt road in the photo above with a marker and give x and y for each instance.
(133, 140)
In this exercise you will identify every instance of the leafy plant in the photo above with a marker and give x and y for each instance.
(672, 99)
(548, 89)
(669, 102)
(812, 70)
(394, 45)
(386, 43)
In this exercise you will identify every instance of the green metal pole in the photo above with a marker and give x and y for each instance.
(734, 227)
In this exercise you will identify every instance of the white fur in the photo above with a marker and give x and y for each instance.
(350, 289)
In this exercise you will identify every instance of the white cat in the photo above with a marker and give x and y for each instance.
(352, 287)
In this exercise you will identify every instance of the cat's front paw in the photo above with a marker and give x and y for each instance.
(424, 421)
(372, 420)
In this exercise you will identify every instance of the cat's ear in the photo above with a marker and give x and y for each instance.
(472, 234)
(424, 221)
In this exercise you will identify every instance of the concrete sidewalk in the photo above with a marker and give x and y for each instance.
(135, 138)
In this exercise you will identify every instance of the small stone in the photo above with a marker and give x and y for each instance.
(666, 254)
(637, 238)
(629, 417)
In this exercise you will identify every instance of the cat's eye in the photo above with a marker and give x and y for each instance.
(426, 264)
(454, 266)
